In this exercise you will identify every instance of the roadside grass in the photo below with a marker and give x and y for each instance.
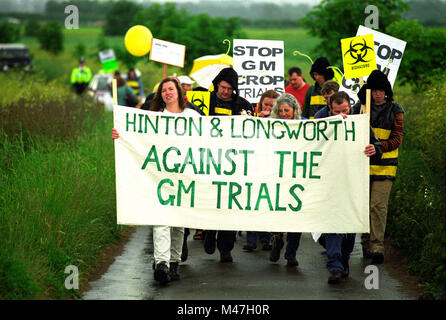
(57, 194)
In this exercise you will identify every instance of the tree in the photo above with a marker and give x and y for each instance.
(32, 28)
(9, 32)
(424, 58)
(120, 17)
(51, 38)
(333, 20)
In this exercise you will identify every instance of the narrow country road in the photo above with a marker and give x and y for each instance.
(251, 276)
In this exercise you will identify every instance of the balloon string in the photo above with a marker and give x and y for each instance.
(300, 53)
(337, 69)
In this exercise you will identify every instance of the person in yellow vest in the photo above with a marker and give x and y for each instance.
(314, 100)
(386, 119)
(135, 82)
(80, 77)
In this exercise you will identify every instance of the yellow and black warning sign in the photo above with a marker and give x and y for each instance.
(358, 55)
(201, 99)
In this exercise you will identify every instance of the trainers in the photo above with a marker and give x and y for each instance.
(173, 271)
(266, 247)
(162, 273)
(335, 277)
(250, 247)
(225, 256)
(275, 251)
(346, 271)
(292, 262)
(209, 242)
(377, 258)
(184, 251)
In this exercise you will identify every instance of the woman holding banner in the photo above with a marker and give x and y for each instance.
(386, 119)
(167, 241)
(286, 107)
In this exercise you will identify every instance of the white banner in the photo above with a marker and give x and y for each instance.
(242, 173)
(260, 67)
(389, 53)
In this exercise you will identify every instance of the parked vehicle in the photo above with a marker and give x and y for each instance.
(15, 56)
(99, 89)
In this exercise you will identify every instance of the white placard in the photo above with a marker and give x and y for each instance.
(167, 52)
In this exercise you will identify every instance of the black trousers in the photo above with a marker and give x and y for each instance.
(225, 239)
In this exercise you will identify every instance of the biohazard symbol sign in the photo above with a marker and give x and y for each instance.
(201, 99)
(359, 56)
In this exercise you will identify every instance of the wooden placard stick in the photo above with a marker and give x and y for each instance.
(361, 83)
(165, 71)
(115, 92)
(368, 101)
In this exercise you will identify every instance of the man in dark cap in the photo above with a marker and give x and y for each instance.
(314, 101)
(386, 119)
(225, 100)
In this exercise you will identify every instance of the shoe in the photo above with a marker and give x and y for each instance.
(225, 256)
(292, 262)
(198, 235)
(275, 251)
(209, 242)
(335, 277)
(250, 247)
(266, 247)
(173, 271)
(377, 258)
(346, 271)
(184, 251)
(366, 254)
(162, 273)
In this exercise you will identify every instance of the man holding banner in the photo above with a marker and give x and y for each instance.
(225, 100)
(340, 246)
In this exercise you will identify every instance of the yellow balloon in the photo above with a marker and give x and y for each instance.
(138, 40)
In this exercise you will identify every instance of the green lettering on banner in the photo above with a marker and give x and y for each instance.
(202, 152)
(253, 133)
(210, 158)
(233, 165)
(191, 187)
(263, 194)
(320, 131)
(141, 116)
(296, 197)
(154, 127)
(189, 159)
(335, 123)
(198, 129)
(127, 122)
(248, 200)
(233, 195)
(305, 130)
(278, 207)
(171, 198)
(219, 184)
(245, 153)
(313, 164)
(167, 122)
(302, 164)
(352, 131)
(176, 165)
(281, 154)
(293, 134)
(177, 132)
(274, 133)
(260, 124)
(232, 130)
(149, 158)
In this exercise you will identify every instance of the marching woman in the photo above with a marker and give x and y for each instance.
(167, 241)
(386, 119)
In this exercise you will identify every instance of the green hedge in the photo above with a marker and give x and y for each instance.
(417, 208)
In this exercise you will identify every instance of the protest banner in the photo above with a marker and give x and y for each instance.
(108, 60)
(260, 67)
(242, 173)
(201, 99)
(168, 52)
(358, 56)
(388, 53)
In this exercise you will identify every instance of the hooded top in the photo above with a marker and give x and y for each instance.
(376, 81)
(320, 66)
(230, 76)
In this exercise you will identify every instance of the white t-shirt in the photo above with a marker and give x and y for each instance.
(188, 112)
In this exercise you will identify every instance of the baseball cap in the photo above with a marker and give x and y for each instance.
(185, 80)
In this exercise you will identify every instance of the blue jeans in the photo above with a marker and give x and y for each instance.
(264, 237)
(339, 247)
(292, 244)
